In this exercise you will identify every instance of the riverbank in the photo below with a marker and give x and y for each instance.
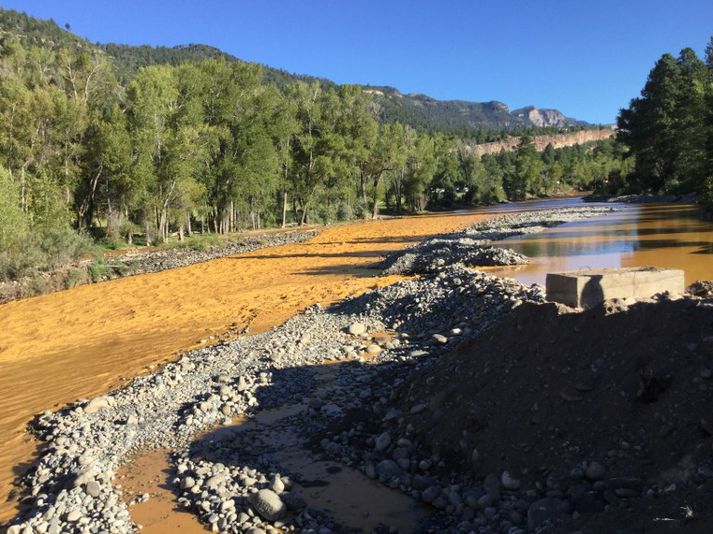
(143, 261)
(83, 342)
(690, 198)
(212, 385)
(401, 328)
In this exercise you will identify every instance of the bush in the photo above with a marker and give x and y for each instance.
(98, 270)
(74, 278)
(47, 243)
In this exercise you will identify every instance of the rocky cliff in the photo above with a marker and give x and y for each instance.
(541, 141)
(544, 117)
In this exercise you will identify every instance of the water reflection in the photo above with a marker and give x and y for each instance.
(661, 235)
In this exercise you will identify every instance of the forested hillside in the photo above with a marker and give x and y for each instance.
(88, 153)
(669, 128)
(478, 121)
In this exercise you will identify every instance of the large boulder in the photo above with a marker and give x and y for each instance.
(268, 504)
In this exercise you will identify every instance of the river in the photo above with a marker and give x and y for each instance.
(82, 342)
(659, 235)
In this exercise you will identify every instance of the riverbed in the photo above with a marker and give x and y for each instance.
(78, 343)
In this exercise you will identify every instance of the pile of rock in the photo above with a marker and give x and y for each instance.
(506, 436)
(473, 246)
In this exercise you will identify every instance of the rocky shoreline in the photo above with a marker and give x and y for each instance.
(690, 198)
(139, 262)
(236, 479)
(71, 487)
(473, 246)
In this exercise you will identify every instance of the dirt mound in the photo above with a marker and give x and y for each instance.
(610, 412)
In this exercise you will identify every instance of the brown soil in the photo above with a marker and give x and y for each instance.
(545, 391)
(82, 342)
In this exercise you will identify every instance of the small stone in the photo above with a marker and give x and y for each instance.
(73, 516)
(188, 483)
(508, 482)
(418, 408)
(387, 469)
(373, 349)
(277, 485)
(242, 384)
(382, 441)
(595, 471)
(440, 339)
(357, 329)
(93, 488)
(96, 404)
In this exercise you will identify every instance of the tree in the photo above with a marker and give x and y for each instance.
(386, 156)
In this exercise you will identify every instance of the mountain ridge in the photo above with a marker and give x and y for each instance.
(420, 111)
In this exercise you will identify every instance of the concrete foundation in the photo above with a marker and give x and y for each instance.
(585, 289)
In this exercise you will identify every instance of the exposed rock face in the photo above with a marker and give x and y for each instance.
(541, 141)
(544, 117)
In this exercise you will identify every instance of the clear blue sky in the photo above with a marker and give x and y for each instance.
(586, 58)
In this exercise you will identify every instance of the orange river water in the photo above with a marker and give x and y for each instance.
(60, 347)
(57, 348)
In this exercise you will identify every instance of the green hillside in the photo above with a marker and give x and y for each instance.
(481, 121)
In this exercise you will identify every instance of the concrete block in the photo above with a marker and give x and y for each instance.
(585, 289)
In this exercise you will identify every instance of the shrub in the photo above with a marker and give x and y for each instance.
(98, 270)
(74, 278)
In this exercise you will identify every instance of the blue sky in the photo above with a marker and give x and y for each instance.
(586, 58)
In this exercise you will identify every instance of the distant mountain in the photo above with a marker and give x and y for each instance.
(547, 118)
(419, 111)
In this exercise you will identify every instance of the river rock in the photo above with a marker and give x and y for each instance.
(268, 504)
(73, 516)
(508, 482)
(96, 404)
(277, 485)
(373, 349)
(595, 471)
(440, 339)
(545, 511)
(383, 441)
(387, 469)
(93, 488)
(357, 329)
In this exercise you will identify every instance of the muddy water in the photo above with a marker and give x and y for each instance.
(79, 343)
(660, 235)
(342, 492)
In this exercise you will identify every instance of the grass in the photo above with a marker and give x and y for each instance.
(74, 278)
(199, 242)
(98, 270)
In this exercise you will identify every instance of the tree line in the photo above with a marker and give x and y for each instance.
(209, 146)
(669, 128)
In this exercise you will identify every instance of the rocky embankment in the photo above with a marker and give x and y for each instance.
(232, 485)
(541, 141)
(236, 478)
(140, 262)
(473, 246)
(598, 422)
